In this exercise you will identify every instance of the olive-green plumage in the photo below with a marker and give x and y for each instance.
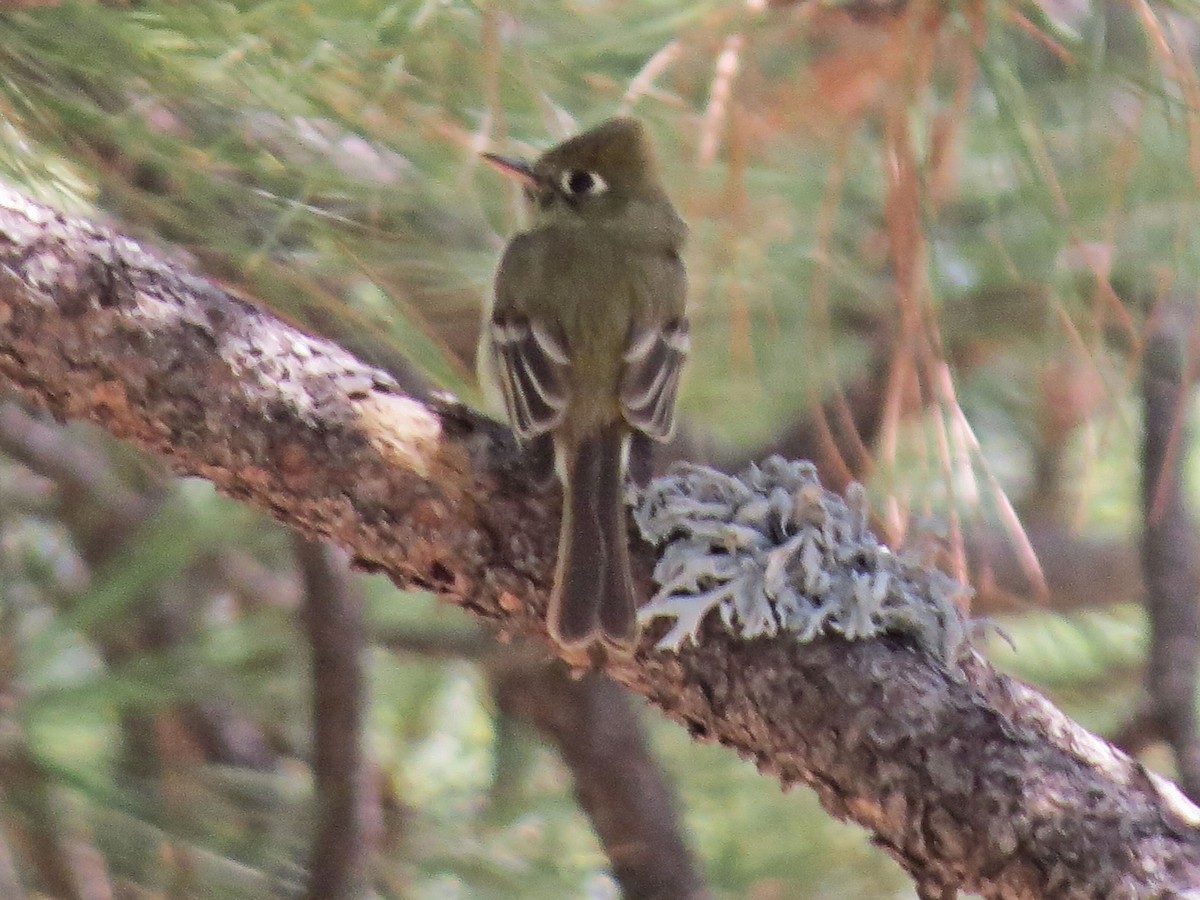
(585, 339)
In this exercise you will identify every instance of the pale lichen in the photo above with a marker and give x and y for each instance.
(772, 552)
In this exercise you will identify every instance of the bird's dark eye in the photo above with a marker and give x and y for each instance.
(579, 183)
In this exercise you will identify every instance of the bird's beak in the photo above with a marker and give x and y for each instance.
(515, 168)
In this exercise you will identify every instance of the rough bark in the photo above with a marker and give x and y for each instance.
(971, 781)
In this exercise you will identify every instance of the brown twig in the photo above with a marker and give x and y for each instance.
(101, 512)
(333, 618)
(10, 879)
(59, 854)
(84, 477)
(617, 780)
(971, 780)
(439, 643)
(1169, 549)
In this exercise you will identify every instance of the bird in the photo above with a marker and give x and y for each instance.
(584, 340)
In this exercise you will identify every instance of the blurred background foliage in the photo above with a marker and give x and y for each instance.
(972, 209)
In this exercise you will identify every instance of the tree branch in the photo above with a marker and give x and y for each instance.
(1169, 544)
(618, 782)
(333, 618)
(101, 513)
(971, 781)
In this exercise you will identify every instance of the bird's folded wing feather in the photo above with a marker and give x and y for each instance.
(532, 367)
(653, 361)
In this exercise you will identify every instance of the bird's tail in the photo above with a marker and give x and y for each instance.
(593, 588)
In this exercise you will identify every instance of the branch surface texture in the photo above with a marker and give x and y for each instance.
(970, 779)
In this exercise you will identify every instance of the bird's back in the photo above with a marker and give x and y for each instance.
(543, 274)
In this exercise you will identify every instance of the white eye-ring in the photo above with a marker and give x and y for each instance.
(581, 183)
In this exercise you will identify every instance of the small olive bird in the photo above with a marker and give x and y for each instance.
(585, 339)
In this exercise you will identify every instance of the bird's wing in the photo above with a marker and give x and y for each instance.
(656, 347)
(653, 361)
(532, 367)
(528, 360)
